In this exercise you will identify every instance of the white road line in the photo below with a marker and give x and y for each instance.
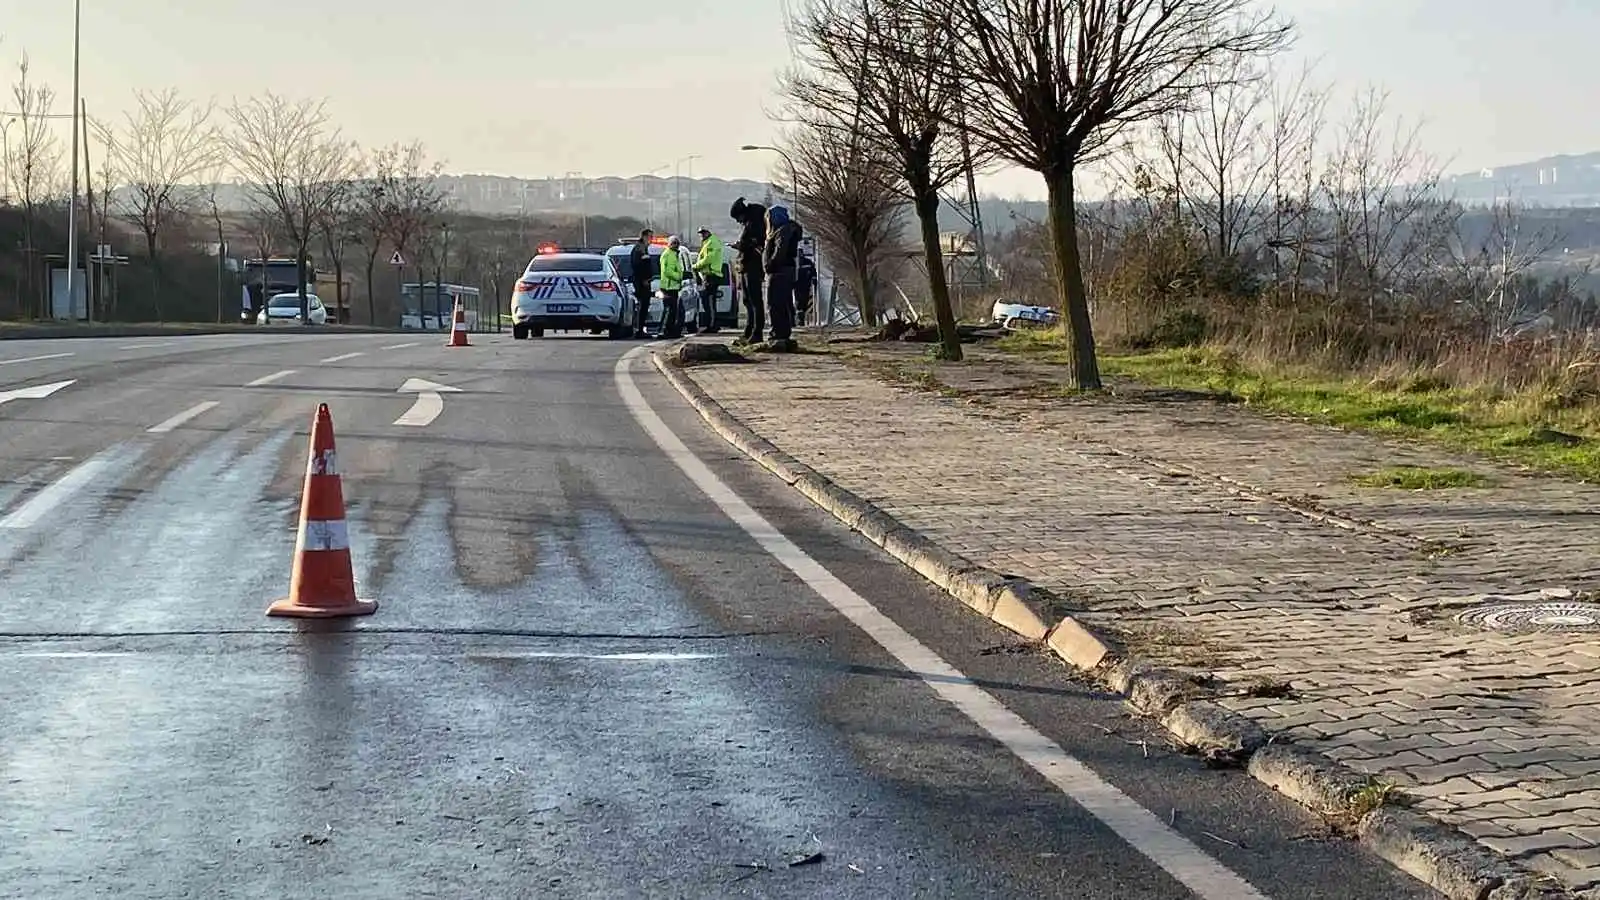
(29, 359)
(343, 357)
(402, 346)
(41, 504)
(1136, 825)
(268, 379)
(190, 413)
(144, 346)
(620, 657)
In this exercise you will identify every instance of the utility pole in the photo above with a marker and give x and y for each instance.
(92, 287)
(72, 210)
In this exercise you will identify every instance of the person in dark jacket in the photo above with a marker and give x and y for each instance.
(805, 286)
(782, 261)
(748, 264)
(643, 269)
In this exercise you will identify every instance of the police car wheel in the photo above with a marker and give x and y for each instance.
(519, 332)
(536, 331)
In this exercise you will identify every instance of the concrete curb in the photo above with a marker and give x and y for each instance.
(63, 332)
(1442, 857)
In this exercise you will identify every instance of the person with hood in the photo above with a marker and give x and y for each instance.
(708, 266)
(643, 269)
(750, 246)
(805, 285)
(672, 289)
(782, 262)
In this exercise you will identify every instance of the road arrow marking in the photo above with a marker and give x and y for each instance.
(430, 402)
(37, 392)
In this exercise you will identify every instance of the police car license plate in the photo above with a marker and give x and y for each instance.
(558, 308)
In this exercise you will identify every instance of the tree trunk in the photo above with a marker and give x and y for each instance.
(1070, 287)
(338, 287)
(302, 247)
(927, 204)
(151, 253)
(372, 293)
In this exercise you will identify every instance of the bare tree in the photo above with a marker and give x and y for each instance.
(878, 77)
(1226, 172)
(1054, 82)
(166, 142)
(1297, 116)
(339, 227)
(297, 165)
(212, 180)
(33, 171)
(851, 206)
(1385, 218)
(397, 198)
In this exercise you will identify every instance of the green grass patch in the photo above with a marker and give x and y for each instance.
(1542, 430)
(1419, 478)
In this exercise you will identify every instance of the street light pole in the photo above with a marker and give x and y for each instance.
(72, 209)
(794, 190)
(677, 188)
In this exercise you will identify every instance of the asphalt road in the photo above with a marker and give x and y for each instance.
(584, 678)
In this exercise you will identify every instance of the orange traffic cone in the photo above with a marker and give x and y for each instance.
(458, 330)
(323, 584)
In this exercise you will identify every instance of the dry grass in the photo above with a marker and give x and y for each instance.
(1537, 404)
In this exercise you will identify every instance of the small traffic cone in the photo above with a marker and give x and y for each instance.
(323, 584)
(458, 330)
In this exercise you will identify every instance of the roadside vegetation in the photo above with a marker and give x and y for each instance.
(179, 189)
(1266, 237)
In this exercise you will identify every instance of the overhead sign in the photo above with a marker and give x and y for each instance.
(397, 259)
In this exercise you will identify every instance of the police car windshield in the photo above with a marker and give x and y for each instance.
(562, 263)
(287, 301)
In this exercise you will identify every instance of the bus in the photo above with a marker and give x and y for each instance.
(431, 306)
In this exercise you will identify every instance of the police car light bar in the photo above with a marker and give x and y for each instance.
(549, 248)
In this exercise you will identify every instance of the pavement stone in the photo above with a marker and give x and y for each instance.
(1211, 537)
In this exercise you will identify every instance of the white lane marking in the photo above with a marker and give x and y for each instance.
(196, 410)
(402, 346)
(41, 504)
(268, 379)
(343, 357)
(1136, 825)
(626, 657)
(29, 359)
(145, 346)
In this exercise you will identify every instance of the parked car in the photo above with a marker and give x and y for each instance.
(284, 309)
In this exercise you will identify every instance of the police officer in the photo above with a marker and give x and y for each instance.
(752, 272)
(708, 266)
(643, 269)
(672, 288)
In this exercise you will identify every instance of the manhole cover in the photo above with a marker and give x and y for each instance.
(1534, 617)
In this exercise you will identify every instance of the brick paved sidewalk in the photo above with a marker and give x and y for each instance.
(1217, 539)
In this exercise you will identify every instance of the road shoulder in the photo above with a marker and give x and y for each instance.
(1360, 803)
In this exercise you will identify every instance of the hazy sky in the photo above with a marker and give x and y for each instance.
(537, 88)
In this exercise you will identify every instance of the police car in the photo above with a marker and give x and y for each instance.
(571, 290)
(727, 309)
